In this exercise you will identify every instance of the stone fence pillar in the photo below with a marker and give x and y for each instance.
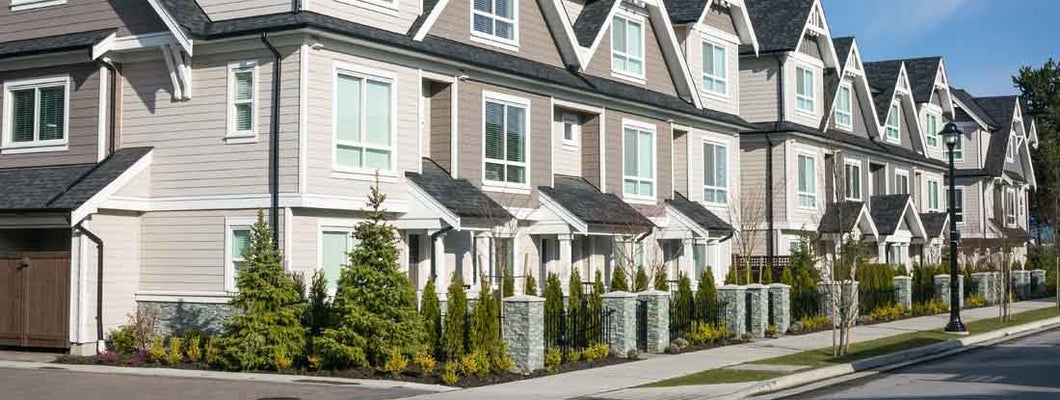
(732, 297)
(622, 326)
(658, 315)
(981, 286)
(780, 306)
(942, 290)
(523, 329)
(848, 294)
(995, 287)
(1021, 282)
(1038, 288)
(757, 309)
(903, 286)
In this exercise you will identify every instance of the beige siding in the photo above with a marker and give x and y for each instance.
(191, 157)
(810, 47)
(535, 40)
(720, 18)
(681, 166)
(656, 74)
(793, 113)
(440, 126)
(759, 90)
(614, 151)
(730, 101)
(130, 17)
(696, 140)
(83, 117)
(231, 9)
(590, 150)
(121, 272)
(567, 158)
(397, 18)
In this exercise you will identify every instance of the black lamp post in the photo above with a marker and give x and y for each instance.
(952, 134)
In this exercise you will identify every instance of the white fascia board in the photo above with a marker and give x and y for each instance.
(686, 222)
(556, 16)
(93, 203)
(431, 19)
(742, 21)
(551, 205)
(174, 27)
(430, 202)
(588, 53)
(658, 15)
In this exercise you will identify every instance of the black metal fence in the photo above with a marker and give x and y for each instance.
(684, 312)
(578, 327)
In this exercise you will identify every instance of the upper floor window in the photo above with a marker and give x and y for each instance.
(638, 158)
(844, 116)
(714, 74)
(364, 121)
(1010, 207)
(893, 126)
(958, 149)
(901, 182)
(852, 172)
(958, 205)
(505, 131)
(931, 129)
(242, 100)
(19, 5)
(807, 190)
(495, 20)
(715, 173)
(805, 94)
(35, 114)
(572, 127)
(933, 196)
(627, 46)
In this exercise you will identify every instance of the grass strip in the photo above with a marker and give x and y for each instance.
(822, 357)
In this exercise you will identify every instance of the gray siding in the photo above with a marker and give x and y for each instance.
(130, 17)
(441, 127)
(371, 14)
(681, 143)
(759, 94)
(183, 251)
(535, 40)
(591, 133)
(656, 74)
(83, 130)
(810, 47)
(720, 18)
(663, 153)
(231, 9)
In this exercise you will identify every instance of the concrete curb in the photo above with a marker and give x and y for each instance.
(225, 376)
(890, 361)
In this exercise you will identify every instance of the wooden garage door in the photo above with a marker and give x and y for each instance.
(35, 299)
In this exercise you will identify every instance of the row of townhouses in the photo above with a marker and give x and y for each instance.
(142, 137)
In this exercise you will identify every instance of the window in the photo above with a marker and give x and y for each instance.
(335, 247)
(505, 138)
(958, 205)
(19, 5)
(639, 161)
(804, 90)
(1010, 207)
(893, 126)
(807, 190)
(715, 173)
(627, 46)
(35, 114)
(852, 172)
(714, 68)
(699, 258)
(958, 149)
(1010, 152)
(242, 100)
(843, 114)
(572, 127)
(901, 182)
(364, 122)
(931, 128)
(495, 19)
(933, 196)
(237, 241)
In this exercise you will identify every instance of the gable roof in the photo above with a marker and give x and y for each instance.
(968, 103)
(53, 44)
(935, 223)
(590, 205)
(843, 45)
(592, 19)
(695, 11)
(883, 78)
(779, 24)
(922, 73)
(888, 211)
(860, 142)
(63, 188)
(686, 11)
(699, 214)
(852, 214)
(1001, 110)
(457, 195)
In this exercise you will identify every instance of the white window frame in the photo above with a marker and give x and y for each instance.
(839, 112)
(896, 109)
(1010, 211)
(333, 225)
(233, 135)
(959, 198)
(847, 165)
(1010, 150)
(503, 186)
(958, 154)
(639, 20)
(574, 121)
(486, 38)
(720, 189)
(810, 195)
(904, 174)
(233, 224)
(643, 127)
(811, 98)
(365, 74)
(20, 5)
(928, 134)
(704, 76)
(35, 146)
(938, 194)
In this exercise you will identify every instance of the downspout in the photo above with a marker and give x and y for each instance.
(274, 143)
(99, 282)
(770, 239)
(434, 238)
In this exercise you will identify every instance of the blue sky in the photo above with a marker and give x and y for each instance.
(983, 42)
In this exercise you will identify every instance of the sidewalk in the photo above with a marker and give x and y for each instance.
(592, 383)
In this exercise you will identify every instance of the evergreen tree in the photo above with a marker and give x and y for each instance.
(375, 305)
(530, 285)
(619, 280)
(575, 292)
(596, 308)
(267, 325)
(454, 339)
(485, 322)
(659, 277)
(318, 314)
(684, 301)
(507, 283)
(431, 310)
(706, 296)
(732, 278)
(640, 282)
(767, 275)
(554, 315)
(786, 277)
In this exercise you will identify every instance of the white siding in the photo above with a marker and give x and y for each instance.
(121, 276)
(397, 18)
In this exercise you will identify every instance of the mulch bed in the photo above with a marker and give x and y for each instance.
(707, 346)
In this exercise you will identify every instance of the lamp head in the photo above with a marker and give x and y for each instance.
(951, 133)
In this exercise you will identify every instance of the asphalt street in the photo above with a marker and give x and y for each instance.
(58, 384)
(1025, 368)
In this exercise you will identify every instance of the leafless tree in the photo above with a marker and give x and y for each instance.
(749, 217)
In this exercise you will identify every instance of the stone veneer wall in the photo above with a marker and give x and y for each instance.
(176, 318)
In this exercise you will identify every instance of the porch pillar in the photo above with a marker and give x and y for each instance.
(565, 259)
(441, 270)
(881, 250)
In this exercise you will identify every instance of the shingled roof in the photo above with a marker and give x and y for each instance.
(592, 206)
(685, 11)
(861, 142)
(778, 23)
(922, 73)
(1001, 109)
(51, 44)
(699, 214)
(934, 223)
(883, 78)
(63, 188)
(842, 48)
(971, 107)
(831, 221)
(887, 211)
(592, 19)
(459, 196)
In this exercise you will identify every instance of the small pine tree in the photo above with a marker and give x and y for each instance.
(640, 282)
(454, 344)
(485, 325)
(786, 277)
(553, 309)
(685, 300)
(767, 275)
(575, 292)
(375, 304)
(530, 285)
(732, 278)
(659, 281)
(318, 314)
(619, 280)
(268, 323)
(706, 296)
(431, 310)
(507, 283)
(596, 307)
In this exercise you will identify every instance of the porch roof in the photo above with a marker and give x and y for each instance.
(888, 211)
(62, 188)
(853, 213)
(934, 223)
(459, 196)
(52, 44)
(588, 204)
(700, 215)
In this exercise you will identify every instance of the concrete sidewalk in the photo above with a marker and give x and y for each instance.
(608, 382)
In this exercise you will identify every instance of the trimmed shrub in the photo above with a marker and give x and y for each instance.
(554, 315)
(659, 280)
(431, 310)
(640, 281)
(485, 323)
(575, 292)
(619, 280)
(507, 283)
(123, 340)
(706, 299)
(875, 287)
(767, 276)
(454, 338)
(924, 282)
(530, 285)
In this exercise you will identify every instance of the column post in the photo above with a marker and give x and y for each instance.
(565, 260)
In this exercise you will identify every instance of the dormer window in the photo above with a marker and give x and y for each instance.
(495, 20)
(627, 46)
(843, 111)
(714, 77)
(893, 127)
(804, 90)
(931, 129)
(1010, 152)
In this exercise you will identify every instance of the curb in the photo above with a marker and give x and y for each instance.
(891, 361)
(225, 376)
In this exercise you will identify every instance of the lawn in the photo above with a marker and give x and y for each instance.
(858, 351)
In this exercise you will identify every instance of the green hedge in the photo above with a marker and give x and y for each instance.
(876, 287)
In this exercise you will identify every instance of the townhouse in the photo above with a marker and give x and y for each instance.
(141, 139)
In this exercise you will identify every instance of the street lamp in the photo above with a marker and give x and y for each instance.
(952, 134)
